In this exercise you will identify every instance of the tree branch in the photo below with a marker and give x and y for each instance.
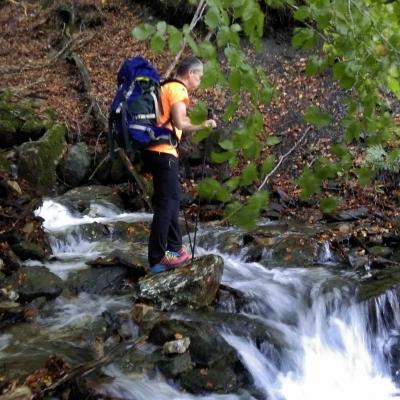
(196, 18)
(282, 158)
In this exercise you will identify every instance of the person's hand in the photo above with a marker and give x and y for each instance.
(210, 123)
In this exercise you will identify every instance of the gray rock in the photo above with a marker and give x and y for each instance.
(179, 346)
(171, 367)
(76, 165)
(194, 286)
(82, 197)
(33, 282)
(104, 280)
(219, 379)
(207, 346)
(27, 250)
(348, 215)
(38, 160)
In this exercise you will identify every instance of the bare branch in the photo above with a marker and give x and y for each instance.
(196, 18)
(282, 158)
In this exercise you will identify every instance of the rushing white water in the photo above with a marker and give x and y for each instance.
(328, 349)
(81, 310)
(141, 388)
(57, 217)
(4, 342)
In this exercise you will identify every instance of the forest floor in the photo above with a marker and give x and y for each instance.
(33, 66)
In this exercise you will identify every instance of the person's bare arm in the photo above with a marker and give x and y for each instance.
(181, 120)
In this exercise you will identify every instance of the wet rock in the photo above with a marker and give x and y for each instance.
(76, 165)
(121, 258)
(149, 320)
(357, 259)
(11, 313)
(193, 286)
(216, 363)
(348, 215)
(219, 379)
(132, 231)
(207, 346)
(101, 281)
(178, 346)
(38, 160)
(33, 282)
(139, 311)
(376, 283)
(171, 367)
(380, 251)
(26, 250)
(81, 198)
(94, 232)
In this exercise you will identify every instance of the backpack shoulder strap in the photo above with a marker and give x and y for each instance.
(170, 80)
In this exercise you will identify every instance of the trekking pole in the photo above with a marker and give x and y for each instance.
(188, 233)
(203, 170)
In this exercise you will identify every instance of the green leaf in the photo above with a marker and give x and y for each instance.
(210, 189)
(212, 18)
(207, 51)
(340, 72)
(212, 75)
(340, 151)
(353, 131)
(328, 204)
(175, 40)
(157, 43)
(365, 176)
(236, 28)
(143, 31)
(161, 27)
(315, 116)
(233, 183)
(308, 183)
(198, 114)
(221, 157)
(252, 149)
(235, 81)
(200, 135)
(247, 216)
(304, 37)
(231, 109)
(273, 140)
(268, 165)
(301, 13)
(226, 144)
(325, 169)
(249, 175)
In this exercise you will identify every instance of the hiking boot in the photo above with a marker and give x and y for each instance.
(157, 268)
(170, 260)
(182, 253)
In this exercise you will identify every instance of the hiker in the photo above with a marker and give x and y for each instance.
(166, 250)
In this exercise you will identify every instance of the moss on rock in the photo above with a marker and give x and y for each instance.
(38, 160)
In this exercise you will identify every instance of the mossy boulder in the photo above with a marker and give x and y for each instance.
(5, 163)
(32, 129)
(38, 160)
(8, 131)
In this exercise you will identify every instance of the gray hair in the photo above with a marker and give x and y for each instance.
(187, 64)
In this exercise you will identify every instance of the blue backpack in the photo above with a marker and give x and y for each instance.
(136, 108)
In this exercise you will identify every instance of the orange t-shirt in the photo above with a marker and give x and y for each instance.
(171, 93)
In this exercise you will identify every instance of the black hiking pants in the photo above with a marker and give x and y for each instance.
(165, 232)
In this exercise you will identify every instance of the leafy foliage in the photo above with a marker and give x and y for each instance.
(357, 40)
